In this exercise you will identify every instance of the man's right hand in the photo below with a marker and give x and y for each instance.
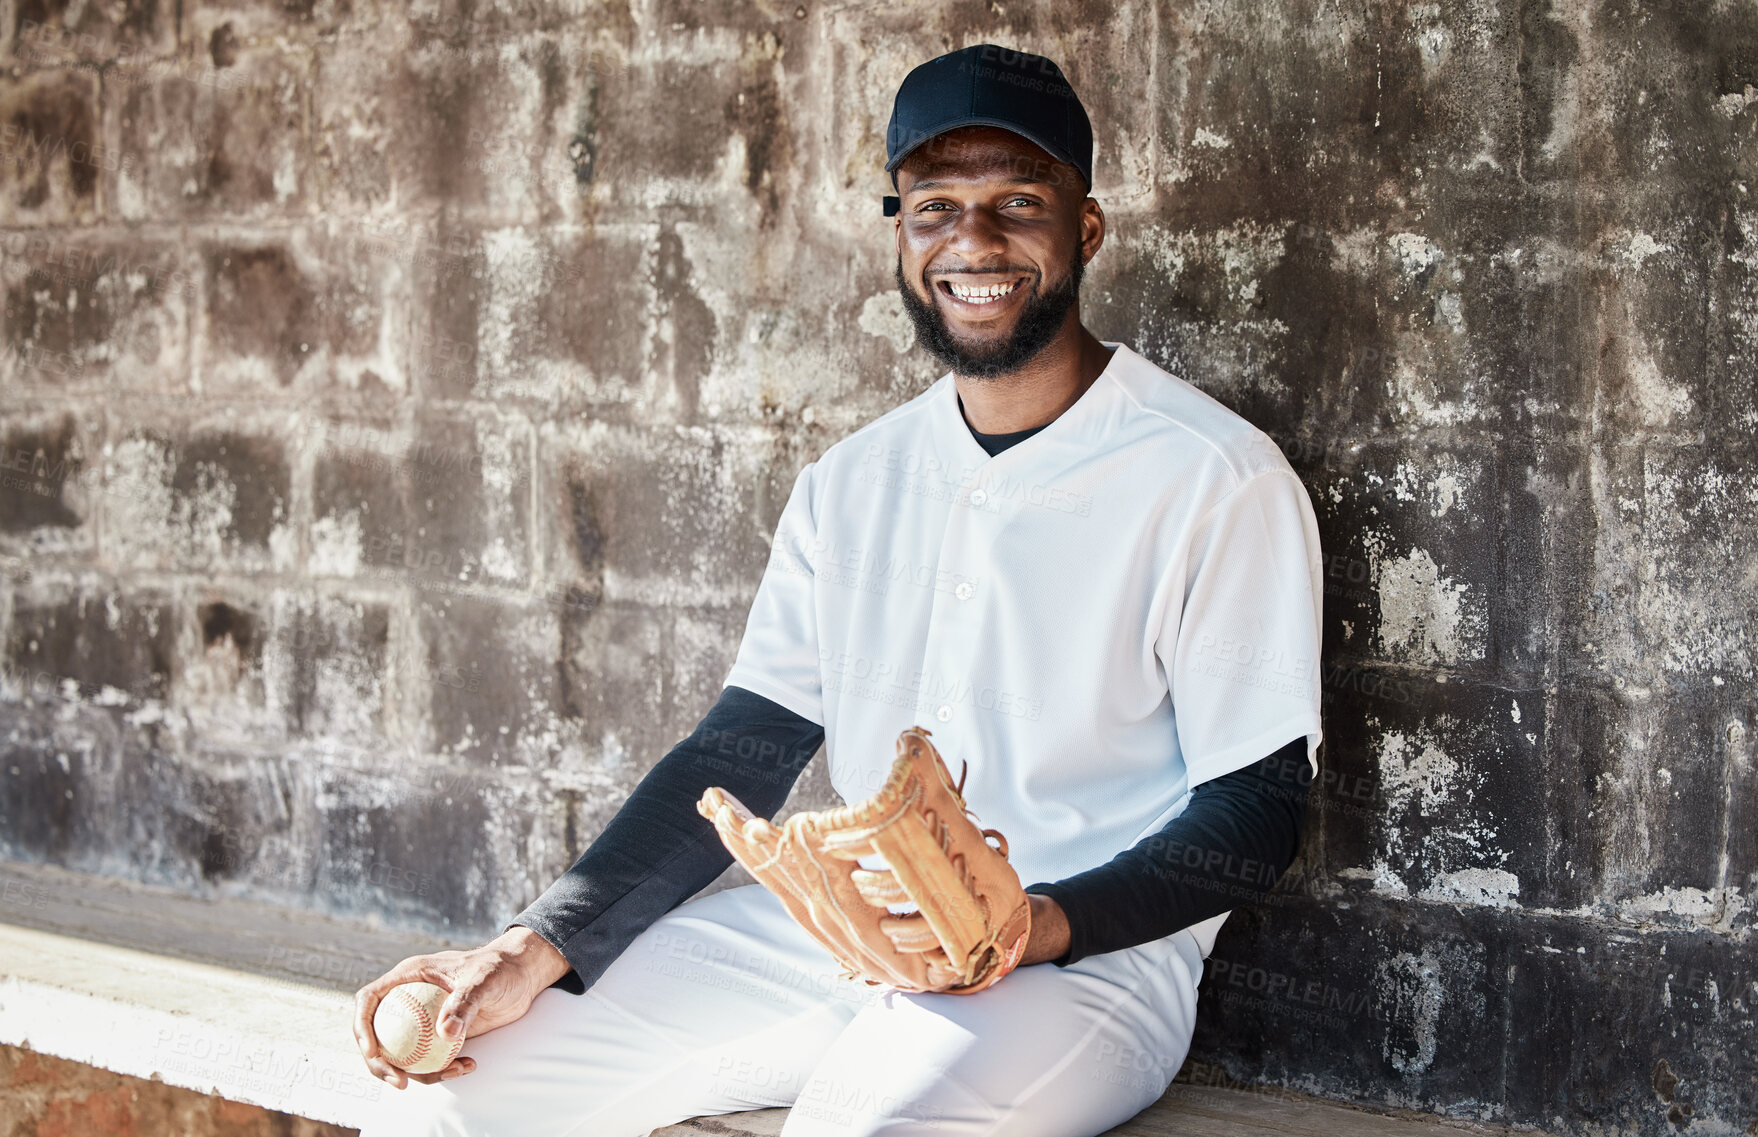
(490, 987)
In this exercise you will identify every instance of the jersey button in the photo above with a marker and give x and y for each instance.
(944, 713)
(964, 590)
(978, 497)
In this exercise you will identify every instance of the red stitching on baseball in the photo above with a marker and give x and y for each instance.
(427, 1028)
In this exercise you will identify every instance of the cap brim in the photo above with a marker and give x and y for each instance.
(982, 120)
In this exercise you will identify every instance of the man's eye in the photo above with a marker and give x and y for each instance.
(939, 205)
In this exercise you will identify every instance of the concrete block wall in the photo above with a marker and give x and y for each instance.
(397, 400)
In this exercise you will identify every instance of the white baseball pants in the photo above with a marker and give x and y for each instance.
(726, 1004)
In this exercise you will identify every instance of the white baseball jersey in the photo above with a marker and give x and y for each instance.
(1096, 620)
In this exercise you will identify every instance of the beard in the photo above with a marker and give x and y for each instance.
(1039, 319)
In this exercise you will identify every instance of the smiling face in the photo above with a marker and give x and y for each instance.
(992, 237)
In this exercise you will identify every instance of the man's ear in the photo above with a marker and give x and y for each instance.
(1092, 224)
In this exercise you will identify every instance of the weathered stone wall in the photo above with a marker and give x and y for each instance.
(397, 399)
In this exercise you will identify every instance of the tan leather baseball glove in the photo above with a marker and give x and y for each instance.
(971, 917)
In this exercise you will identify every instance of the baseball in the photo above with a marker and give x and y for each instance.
(407, 1025)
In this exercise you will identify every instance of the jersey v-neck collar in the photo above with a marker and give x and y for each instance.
(996, 443)
(1077, 421)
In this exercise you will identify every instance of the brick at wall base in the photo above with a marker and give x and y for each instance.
(43, 1096)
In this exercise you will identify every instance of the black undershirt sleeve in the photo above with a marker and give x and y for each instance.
(1232, 842)
(1228, 848)
(657, 851)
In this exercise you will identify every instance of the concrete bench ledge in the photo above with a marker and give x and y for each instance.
(1187, 1109)
(269, 1042)
(239, 999)
(253, 1003)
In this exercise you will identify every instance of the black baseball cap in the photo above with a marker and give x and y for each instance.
(989, 85)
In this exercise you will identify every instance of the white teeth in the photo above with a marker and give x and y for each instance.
(984, 295)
